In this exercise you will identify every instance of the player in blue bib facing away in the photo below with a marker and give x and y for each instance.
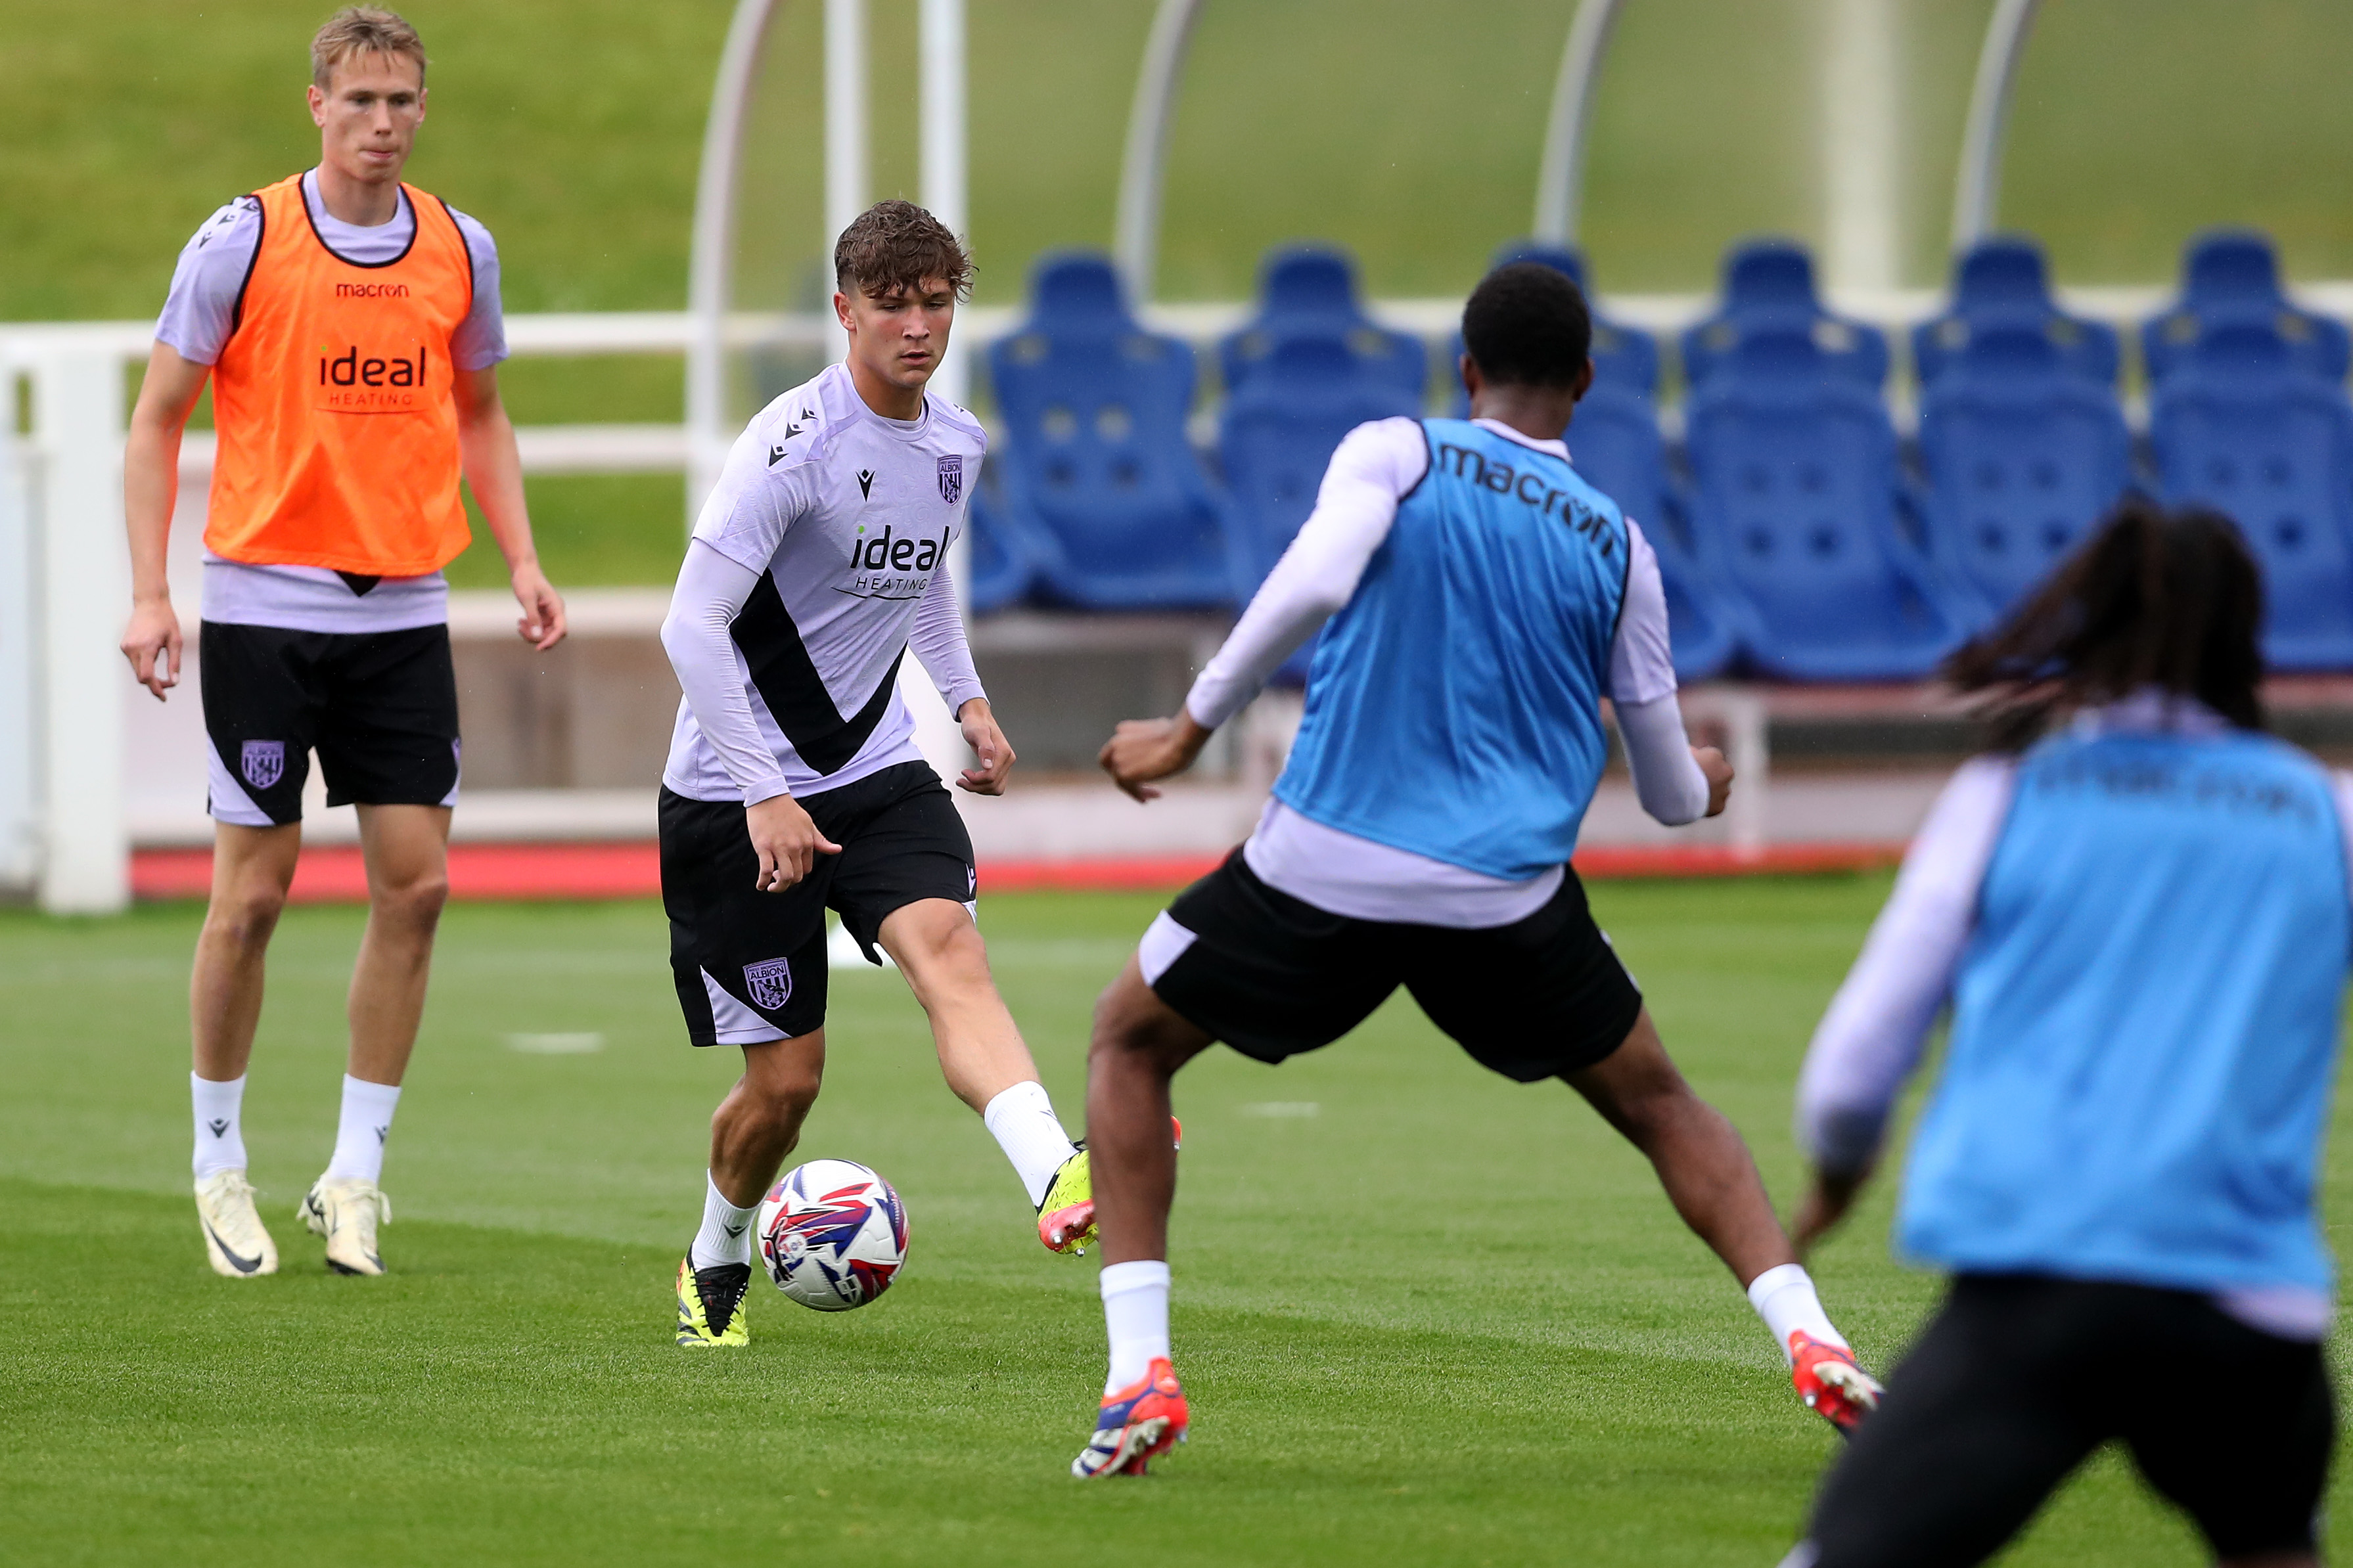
(1481, 599)
(2138, 907)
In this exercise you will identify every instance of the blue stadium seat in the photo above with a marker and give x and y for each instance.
(1311, 292)
(1277, 433)
(2224, 265)
(2241, 428)
(1099, 478)
(2022, 456)
(1001, 567)
(1614, 443)
(2229, 277)
(1275, 437)
(1796, 506)
(2002, 280)
(1699, 625)
(1623, 356)
(1769, 287)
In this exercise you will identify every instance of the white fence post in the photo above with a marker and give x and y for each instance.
(1749, 750)
(1862, 129)
(86, 581)
(20, 825)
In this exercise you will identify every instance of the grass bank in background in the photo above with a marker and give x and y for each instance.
(1405, 131)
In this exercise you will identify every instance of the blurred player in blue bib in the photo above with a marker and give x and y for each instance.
(2137, 906)
(1482, 600)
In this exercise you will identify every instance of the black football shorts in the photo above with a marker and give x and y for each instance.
(380, 708)
(2019, 1378)
(751, 966)
(1273, 976)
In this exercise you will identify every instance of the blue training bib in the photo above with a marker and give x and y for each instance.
(2145, 1022)
(1453, 705)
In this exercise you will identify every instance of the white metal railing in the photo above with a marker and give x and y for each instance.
(65, 569)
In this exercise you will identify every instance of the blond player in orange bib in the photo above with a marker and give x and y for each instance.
(350, 326)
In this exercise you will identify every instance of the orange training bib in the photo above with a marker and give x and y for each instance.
(338, 438)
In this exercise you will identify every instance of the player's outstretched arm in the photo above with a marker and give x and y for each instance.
(1141, 750)
(151, 483)
(1315, 578)
(494, 469)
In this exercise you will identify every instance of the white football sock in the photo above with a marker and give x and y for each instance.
(1135, 1310)
(1022, 1119)
(220, 1124)
(726, 1233)
(1785, 1299)
(366, 1123)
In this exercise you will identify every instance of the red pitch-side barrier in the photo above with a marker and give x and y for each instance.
(335, 873)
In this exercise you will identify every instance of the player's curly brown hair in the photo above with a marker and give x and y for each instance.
(2161, 597)
(897, 245)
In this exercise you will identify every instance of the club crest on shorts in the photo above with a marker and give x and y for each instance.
(771, 984)
(264, 763)
(951, 478)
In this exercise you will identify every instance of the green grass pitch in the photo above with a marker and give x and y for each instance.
(1438, 1320)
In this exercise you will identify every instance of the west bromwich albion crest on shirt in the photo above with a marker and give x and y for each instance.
(848, 517)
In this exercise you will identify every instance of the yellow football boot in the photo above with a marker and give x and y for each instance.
(709, 1295)
(1066, 1215)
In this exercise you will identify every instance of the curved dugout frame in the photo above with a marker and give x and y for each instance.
(1560, 181)
(711, 270)
(1976, 193)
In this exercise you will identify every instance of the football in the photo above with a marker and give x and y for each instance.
(832, 1235)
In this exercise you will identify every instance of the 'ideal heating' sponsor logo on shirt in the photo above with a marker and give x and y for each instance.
(1529, 488)
(887, 567)
(354, 381)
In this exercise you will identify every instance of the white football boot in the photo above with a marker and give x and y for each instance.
(235, 1244)
(346, 1210)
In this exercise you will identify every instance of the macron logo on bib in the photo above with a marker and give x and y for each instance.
(1530, 489)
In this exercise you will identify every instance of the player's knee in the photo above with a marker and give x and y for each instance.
(785, 1097)
(945, 943)
(415, 902)
(247, 916)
